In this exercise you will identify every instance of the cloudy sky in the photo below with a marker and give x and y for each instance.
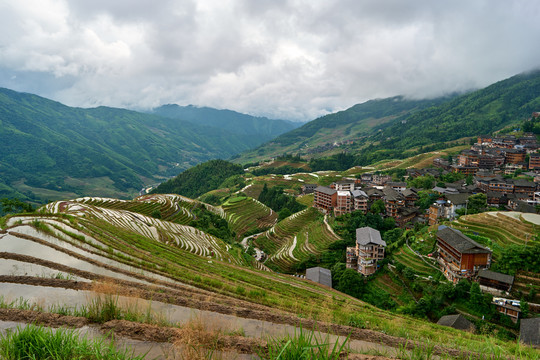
(289, 59)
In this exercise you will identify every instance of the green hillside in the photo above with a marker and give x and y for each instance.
(351, 124)
(231, 121)
(200, 179)
(396, 128)
(51, 151)
(129, 266)
(480, 112)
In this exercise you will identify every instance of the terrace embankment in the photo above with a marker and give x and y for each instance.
(257, 323)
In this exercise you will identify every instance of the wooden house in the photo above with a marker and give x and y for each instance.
(460, 256)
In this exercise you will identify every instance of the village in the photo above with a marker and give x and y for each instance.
(505, 170)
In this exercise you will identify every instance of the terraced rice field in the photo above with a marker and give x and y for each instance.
(172, 207)
(70, 253)
(248, 215)
(80, 242)
(501, 229)
(295, 238)
(408, 258)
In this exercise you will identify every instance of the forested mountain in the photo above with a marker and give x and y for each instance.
(351, 124)
(397, 128)
(234, 122)
(480, 112)
(50, 150)
(200, 179)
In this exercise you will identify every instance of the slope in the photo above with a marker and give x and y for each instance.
(480, 112)
(92, 259)
(395, 128)
(351, 124)
(50, 150)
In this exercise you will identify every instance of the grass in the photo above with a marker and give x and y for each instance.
(304, 345)
(33, 342)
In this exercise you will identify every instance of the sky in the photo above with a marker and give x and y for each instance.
(286, 59)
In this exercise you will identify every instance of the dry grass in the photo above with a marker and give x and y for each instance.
(202, 338)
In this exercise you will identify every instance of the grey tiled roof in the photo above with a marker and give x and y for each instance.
(492, 275)
(367, 235)
(460, 242)
(391, 194)
(358, 193)
(325, 190)
(458, 199)
(456, 321)
(320, 275)
(409, 192)
(529, 331)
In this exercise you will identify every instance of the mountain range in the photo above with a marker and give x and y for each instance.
(52, 151)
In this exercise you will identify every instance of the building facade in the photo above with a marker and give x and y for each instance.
(459, 256)
(368, 251)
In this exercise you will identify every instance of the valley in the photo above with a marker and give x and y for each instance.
(215, 259)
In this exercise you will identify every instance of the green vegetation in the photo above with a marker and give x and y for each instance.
(304, 345)
(248, 216)
(62, 151)
(14, 206)
(200, 179)
(275, 199)
(32, 342)
(354, 124)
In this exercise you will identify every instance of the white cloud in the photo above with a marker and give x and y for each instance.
(295, 59)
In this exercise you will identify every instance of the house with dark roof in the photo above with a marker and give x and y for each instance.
(393, 200)
(411, 197)
(460, 256)
(320, 275)
(368, 251)
(494, 282)
(309, 188)
(508, 307)
(360, 200)
(457, 322)
(529, 331)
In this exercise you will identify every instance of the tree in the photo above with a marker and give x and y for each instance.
(351, 283)
(462, 289)
(392, 236)
(15, 206)
(476, 203)
(378, 207)
(284, 213)
(424, 182)
(426, 198)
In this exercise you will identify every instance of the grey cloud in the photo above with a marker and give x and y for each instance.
(295, 59)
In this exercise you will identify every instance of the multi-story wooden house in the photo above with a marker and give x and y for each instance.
(360, 200)
(534, 161)
(460, 256)
(515, 156)
(368, 251)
